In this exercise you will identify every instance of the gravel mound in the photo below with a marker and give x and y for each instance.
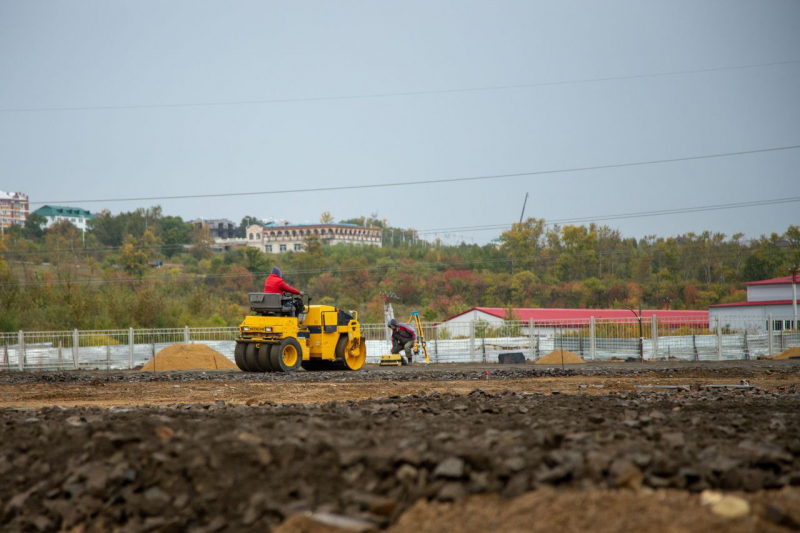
(790, 352)
(557, 356)
(187, 357)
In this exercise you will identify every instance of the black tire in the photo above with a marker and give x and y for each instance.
(341, 344)
(238, 356)
(287, 356)
(262, 358)
(250, 357)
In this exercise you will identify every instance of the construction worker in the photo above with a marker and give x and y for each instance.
(274, 284)
(403, 337)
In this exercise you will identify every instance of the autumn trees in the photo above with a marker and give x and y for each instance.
(60, 278)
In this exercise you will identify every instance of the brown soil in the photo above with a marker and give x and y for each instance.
(565, 458)
(786, 354)
(550, 510)
(133, 389)
(187, 357)
(556, 357)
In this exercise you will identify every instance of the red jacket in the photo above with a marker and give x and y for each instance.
(275, 284)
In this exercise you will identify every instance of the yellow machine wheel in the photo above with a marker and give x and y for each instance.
(348, 356)
(286, 356)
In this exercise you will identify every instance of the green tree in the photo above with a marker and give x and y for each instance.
(34, 226)
(134, 258)
(523, 243)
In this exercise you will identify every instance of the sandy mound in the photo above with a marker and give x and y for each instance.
(188, 357)
(590, 510)
(554, 358)
(789, 352)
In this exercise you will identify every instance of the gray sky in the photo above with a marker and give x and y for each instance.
(89, 54)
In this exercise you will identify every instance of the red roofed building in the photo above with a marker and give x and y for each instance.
(764, 298)
(544, 317)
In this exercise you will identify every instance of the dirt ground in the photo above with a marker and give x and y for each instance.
(422, 449)
(131, 388)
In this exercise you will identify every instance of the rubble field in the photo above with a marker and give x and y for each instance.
(134, 388)
(422, 449)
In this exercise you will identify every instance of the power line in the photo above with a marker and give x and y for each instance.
(639, 214)
(424, 182)
(393, 94)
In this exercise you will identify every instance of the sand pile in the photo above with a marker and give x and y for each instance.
(794, 351)
(188, 357)
(554, 358)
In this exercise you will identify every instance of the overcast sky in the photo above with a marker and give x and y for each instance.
(141, 53)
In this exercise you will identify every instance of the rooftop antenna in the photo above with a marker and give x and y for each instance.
(523, 208)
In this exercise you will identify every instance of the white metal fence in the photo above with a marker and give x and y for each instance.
(675, 338)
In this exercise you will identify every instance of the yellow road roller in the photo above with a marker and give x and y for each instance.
(285, 332)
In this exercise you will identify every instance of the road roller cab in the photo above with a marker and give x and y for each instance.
(284, 333)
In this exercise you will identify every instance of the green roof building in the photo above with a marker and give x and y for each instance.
(74, 215)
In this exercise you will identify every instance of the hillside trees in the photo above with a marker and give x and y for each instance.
(63, 278)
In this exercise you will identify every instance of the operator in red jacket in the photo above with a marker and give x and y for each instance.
(274, 284)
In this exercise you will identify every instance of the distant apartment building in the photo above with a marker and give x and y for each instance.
(220, 228)
(280, 237)
(13, 209)
(74, 215)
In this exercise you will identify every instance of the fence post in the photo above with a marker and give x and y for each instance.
(21, 351)
(771, 341)
(719, 339)
(436, 342)
(654, 328)
(531, 339)
(130, 348)
(746, 347)
(186, 334)
(75, 348)
(108, 355)
(593, 339)
(60, 357)
(472, 341)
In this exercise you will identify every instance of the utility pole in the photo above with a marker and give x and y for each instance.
(641, 332)
(388, 312)
(523, 208)
(794, 298)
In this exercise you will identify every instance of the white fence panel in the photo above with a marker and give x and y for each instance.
(674, 338)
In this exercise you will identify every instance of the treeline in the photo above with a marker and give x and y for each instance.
(145, 269)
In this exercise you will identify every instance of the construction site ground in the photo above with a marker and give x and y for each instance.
(600, 447)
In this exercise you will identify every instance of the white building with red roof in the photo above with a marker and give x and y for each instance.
(769, 297)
